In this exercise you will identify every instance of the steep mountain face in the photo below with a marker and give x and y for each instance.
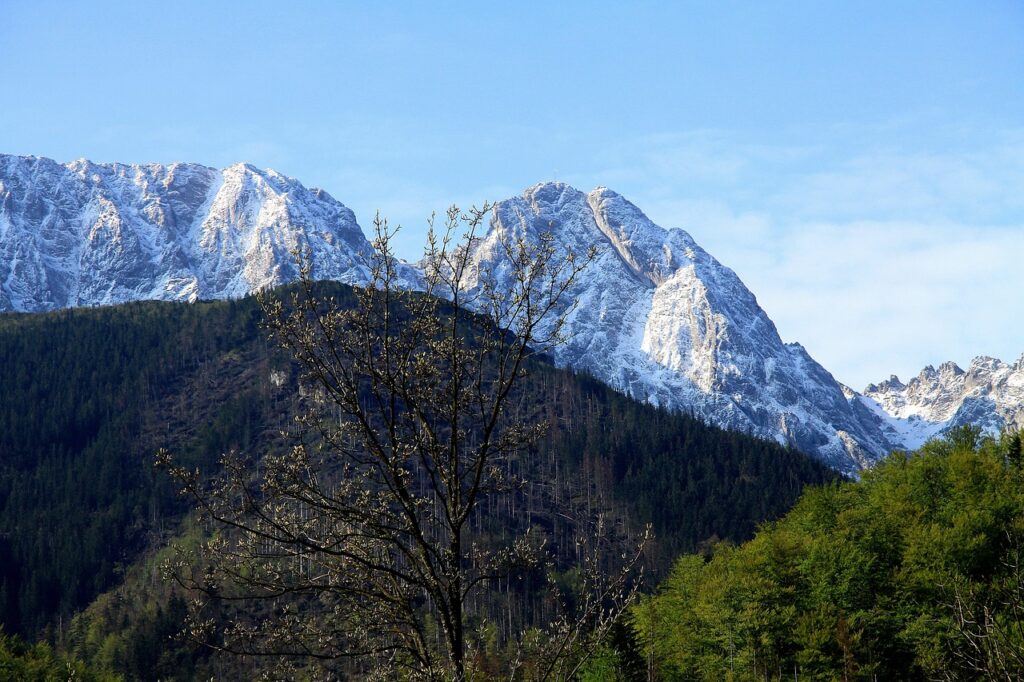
(662, 320)
(989, 394)
(657, 316)
(80, 233)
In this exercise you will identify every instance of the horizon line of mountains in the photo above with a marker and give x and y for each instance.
(658, 318)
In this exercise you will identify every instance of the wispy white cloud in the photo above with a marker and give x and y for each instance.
(873, 298)
(985, 185)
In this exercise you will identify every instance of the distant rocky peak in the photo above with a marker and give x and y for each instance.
(660, 319)
(983, 363)
(86, 233)
(600, 218)
(893, 383)
(990, 394)
(642, 245)
(950, 368)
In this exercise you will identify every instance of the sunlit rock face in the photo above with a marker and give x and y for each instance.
(659, 318)
(83, 233)
(988, 394)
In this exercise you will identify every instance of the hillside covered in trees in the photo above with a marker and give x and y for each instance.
(913, 573)
(87, 396)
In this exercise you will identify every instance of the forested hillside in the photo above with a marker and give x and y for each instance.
(87, 396)
(913, 573)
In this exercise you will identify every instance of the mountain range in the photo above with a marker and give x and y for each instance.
(658, 317)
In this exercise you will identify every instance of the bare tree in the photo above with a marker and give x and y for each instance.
(989, 621)
(358, 542)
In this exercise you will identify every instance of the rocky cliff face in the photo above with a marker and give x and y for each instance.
(657, 316)
(989, 394)
(86, 234)
(660, 319)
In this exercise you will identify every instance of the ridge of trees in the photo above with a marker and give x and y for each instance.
(912, 573)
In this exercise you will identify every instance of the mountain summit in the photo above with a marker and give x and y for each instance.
(657, 318)
(663, 321)
(83, 233)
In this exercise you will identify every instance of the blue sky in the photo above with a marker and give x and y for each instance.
(860, 165)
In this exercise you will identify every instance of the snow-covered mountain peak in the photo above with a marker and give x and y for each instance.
(662, 320)
(982, 363)
(892, 383)
(546, 208)
(989, 393)
(86, 233)
(649, 250)
(603, 219)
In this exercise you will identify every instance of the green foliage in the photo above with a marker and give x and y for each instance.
(602, 667)
(86, 397)
(39, 663)
(619, 658)
(861, 580)
(135, 629)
